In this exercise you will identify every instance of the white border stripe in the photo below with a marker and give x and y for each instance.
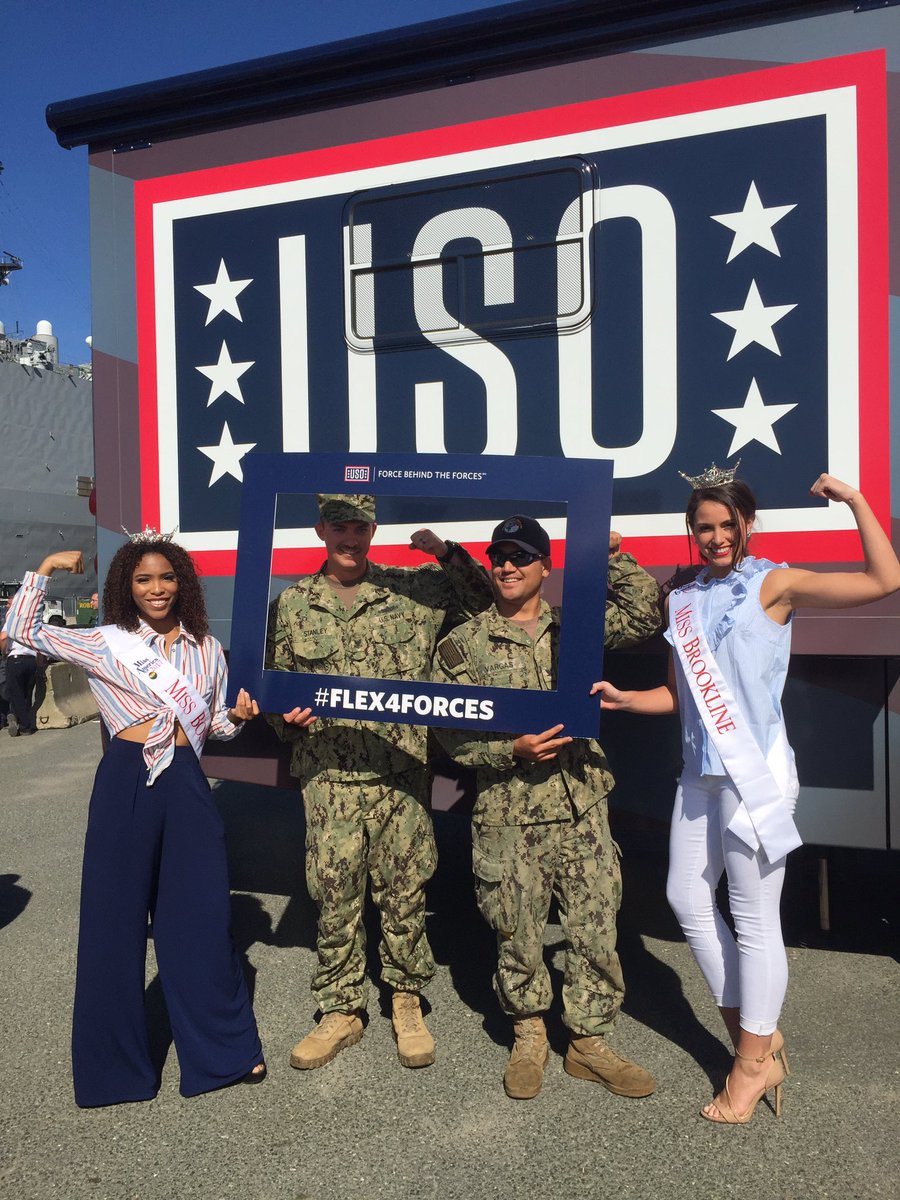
(837, 105)
(294, 343)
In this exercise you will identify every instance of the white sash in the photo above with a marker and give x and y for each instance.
(164, 680)
(766, 785)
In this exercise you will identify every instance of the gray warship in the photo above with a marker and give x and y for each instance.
(46, 465)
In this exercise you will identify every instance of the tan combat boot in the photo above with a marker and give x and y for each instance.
(333, 1033)
(591, 1058)
(524, 1072)
(415, 1045)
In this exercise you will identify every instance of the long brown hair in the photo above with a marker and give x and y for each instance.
(741, 505)
(119, 607)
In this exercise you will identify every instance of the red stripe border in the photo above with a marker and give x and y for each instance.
(866, 72)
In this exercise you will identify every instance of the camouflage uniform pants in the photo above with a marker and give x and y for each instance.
(518, 870)
(378, 830)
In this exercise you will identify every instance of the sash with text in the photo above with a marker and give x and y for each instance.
(164, 680)
(764, 816)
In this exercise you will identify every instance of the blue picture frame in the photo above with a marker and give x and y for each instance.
(583, 485)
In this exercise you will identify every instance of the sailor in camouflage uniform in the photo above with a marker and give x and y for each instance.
(366, 786)
(540, 824)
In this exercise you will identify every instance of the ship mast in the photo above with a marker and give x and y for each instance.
(8, 262)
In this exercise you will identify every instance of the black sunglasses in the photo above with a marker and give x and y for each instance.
(518, 558)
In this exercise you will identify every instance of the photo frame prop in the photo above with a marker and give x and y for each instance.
(499, 485)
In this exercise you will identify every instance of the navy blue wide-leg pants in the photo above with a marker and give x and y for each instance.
(160, 852)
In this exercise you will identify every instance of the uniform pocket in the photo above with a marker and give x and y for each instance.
(318, 651)
(496, 891)
(616, 879)
(393, 632)
(394, 651)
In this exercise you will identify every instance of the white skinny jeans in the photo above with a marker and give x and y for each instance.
(749, 974)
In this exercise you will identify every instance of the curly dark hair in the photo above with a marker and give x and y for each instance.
(741, 505)
(190, 605)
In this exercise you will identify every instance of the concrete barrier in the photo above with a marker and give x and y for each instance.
(68, 700)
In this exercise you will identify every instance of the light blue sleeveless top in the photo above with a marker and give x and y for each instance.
(752, 651)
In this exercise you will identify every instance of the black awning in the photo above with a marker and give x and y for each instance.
(432, 54)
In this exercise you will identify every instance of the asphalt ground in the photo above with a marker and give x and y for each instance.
(364, 1127)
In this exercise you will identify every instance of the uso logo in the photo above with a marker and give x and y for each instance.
(356, 474)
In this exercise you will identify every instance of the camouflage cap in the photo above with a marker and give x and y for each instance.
(347, 508)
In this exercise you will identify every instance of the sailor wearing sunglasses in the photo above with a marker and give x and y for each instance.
(540, 827)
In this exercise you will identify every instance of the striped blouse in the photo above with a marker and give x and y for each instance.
(123, 698)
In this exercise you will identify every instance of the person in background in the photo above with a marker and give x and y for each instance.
(540, 827)
(21, 675)
(154, 846)
(730, 631)
(4, 694)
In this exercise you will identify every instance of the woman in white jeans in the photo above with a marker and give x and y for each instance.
(730, 633)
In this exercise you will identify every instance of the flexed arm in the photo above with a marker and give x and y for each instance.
(63, 560)
(632, 600)
(25, 616)
(790, 588)
(428, 542)
(461, 587)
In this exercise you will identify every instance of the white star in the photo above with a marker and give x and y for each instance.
(226, 456)
(224, 376)
(753, 422)
(753, 322)
(753, 224)
(222, 295)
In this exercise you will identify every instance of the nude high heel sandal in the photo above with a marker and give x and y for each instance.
(774, 1079)
(777, 1050)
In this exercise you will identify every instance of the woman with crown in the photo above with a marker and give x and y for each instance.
(154, 845)
(730, 635)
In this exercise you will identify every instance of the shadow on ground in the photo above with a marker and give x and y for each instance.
(265, 833)
(13, 898)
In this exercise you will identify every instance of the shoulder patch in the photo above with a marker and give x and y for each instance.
(450, 654)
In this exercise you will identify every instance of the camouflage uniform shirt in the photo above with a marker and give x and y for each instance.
(491, 651)
(389, 632)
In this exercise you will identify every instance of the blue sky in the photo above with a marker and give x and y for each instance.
(75, 49)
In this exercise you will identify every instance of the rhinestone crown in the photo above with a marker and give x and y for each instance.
(149, 534)
(712, 476)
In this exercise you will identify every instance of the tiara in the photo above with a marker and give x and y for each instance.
(712, 476)
(149, 534)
